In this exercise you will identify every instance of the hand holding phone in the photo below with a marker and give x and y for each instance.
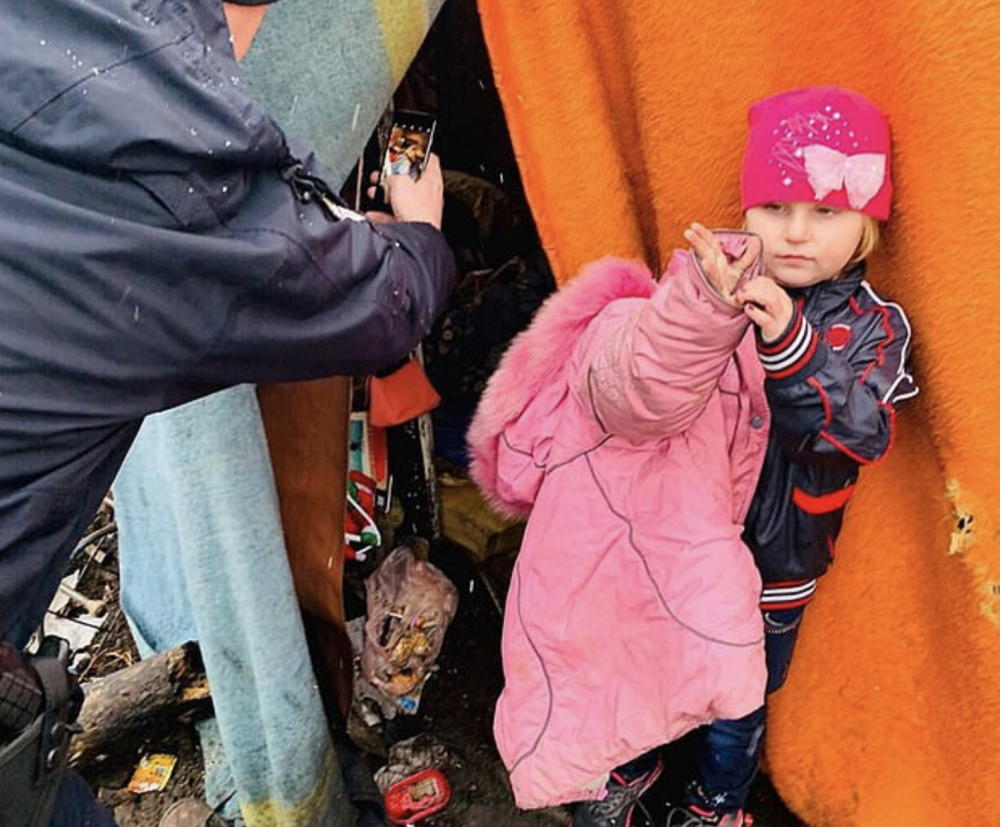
(409, 179)
(409, 144)
(421, 200)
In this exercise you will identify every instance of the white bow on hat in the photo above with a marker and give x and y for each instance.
(862, 175)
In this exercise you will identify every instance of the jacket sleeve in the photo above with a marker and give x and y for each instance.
(827, 403)
(649, 374)
(341, 297)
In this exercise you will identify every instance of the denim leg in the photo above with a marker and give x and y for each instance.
(727, 762)
(781, 629)
(77, 807)
(729, 753)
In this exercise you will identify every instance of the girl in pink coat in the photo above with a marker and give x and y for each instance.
(630, 421)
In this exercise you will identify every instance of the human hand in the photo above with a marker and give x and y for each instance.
(723, 272)
(411, 200)
(767, 305)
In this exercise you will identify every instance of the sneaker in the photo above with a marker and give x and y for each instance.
(615, 810)
(695, 816)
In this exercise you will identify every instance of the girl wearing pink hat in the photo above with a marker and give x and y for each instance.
(684, 451)
(815, 183)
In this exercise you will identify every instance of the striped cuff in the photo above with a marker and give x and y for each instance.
(789, 595)
(791, 351)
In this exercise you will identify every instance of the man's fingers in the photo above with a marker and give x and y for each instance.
(433, 164)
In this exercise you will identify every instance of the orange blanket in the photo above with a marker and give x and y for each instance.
(628, 119)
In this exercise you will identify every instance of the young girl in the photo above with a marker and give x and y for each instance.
(629, 420)
(815, 183)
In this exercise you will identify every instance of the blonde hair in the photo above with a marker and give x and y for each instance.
(870, 234)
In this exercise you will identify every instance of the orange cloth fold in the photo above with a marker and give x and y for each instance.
(628, 121)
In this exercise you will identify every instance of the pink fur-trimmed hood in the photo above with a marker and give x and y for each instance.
(528, 370)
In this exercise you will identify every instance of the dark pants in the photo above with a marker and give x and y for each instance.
(726, 754)
(729, 753)
(77, 807)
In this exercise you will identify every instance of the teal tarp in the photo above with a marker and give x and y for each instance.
(200, 535)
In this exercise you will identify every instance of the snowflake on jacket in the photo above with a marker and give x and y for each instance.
(834, 379)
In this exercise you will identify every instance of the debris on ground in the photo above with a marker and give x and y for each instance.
(451, 731)
(410, 605)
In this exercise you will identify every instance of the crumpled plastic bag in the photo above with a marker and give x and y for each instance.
(410, 756)
(410, 605)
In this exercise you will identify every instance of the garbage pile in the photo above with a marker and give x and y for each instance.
(410, 604)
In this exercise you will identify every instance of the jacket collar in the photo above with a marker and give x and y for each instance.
(821, 299)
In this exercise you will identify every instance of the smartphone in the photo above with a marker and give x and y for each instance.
(409, 144)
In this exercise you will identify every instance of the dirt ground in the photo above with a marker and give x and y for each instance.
(455, 711)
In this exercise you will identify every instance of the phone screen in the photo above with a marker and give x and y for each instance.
(409, 144)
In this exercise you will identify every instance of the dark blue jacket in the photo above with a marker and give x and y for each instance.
(834, 379)
(153, 249)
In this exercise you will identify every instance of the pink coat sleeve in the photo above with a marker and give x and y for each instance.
(647, 368)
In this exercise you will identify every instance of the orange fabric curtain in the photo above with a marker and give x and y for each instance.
(628, 120)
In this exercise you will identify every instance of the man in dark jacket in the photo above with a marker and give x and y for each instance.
(161, 240)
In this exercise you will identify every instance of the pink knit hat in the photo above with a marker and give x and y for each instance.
(821, 143)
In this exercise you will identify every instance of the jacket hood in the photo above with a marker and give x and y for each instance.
(127, 85)
(528, 370)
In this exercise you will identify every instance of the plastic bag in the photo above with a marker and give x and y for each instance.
(410, 605)
(401, 395)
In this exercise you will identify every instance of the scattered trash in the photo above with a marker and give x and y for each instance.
(411, 756)
(152, 774)
(417, 797)
(410, 605)
(361, 532)
(74, 617)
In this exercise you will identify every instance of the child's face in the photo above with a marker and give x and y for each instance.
(805, 243)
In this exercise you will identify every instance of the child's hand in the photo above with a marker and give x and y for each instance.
(767, 305)
(723, 273)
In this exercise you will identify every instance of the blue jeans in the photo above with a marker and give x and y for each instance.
(729, 752)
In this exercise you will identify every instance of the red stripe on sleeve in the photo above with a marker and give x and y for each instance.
(784, 341)
(781, 374)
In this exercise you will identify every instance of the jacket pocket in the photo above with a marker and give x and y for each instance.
(822, 503)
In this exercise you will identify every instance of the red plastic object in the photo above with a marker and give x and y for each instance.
(416, 797)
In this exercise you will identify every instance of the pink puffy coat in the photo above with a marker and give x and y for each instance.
(630, 420)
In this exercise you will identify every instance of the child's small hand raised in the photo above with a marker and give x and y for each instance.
(723, 271)
(767, 305)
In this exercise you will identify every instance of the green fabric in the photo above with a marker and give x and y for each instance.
(323, 69)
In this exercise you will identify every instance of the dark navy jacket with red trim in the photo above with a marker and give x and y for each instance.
(834, 378)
